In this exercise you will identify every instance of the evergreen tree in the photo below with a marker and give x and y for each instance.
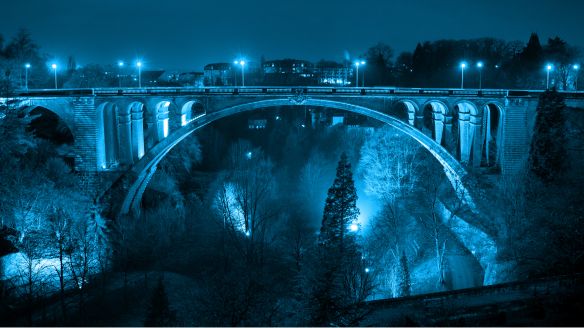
(547, 153)
(340, 211)
(341, 283)
(159, 313)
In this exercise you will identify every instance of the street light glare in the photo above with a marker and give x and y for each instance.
(139, 64)
(462, 65)
(354, 227)
(549, 67)
(54, 66)
(480, 64)
(242, 63)
(121, 63)
(576, 66)
(27, 65)
(362, 62)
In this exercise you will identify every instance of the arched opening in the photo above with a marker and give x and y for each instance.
(190, 111)
(108, 139)
(156, 124)
(469, 132)
(434, 113)
(49, 126)
(146, 167)
(492, 135)
(137, 125)
(405, 111)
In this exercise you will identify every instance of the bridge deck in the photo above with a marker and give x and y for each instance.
(277, 90)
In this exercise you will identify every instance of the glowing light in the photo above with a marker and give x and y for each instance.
(165, 127)
(463, 65)
(548, 67)
(367, 270)
(27, 65)
(354, 227)
(139, 64)
(242, 63)
(480, 64)
(54, 66)
(121, 63)
(183, 119)
(248, 155)
(576, 67)
(247, 233)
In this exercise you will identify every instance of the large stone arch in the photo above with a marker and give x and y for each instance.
(142, 171)
(135, 181)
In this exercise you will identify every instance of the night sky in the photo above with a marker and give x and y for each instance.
(187, 34)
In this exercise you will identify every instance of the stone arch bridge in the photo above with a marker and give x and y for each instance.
(125, 133)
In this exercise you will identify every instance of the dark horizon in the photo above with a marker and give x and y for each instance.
(161, 36)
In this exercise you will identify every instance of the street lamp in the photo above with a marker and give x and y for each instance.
(548, 68)
(54, 66)
(576, 67)
(26, 67)
(139, 64)
(480, 67)
(363, 63)
(462, 67)
(120, 65)
(353, 227)
(242, 63)
(357, 64)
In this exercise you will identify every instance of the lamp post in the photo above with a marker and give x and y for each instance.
(576, 68)
(548, 68)
(363, 63)
(139, 64)
(480, 67)
(242, 63)
(357, 64)
(54, 66)
(26, 67)
(462, 67)
(120, 66)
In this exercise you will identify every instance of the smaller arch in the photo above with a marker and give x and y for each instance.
(492, 135)
(434, 114)
(136, 110)
(156, 123)
(469, 132)
(406, 110)
(108, 139)
(190, 111)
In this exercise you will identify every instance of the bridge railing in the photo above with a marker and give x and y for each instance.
(292, 90)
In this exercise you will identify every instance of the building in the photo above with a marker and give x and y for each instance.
(191, 79)
(288, 72)
(334, 74)
(218, 74)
